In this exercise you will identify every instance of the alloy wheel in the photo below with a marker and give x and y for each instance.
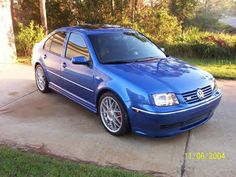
(111, 114)
(40, 78)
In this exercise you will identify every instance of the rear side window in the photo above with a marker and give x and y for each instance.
(76, 47)
(48, 43)
(57, 43)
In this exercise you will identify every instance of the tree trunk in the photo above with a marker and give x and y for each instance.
(132, 8)
(43, 15)
(112, 7)
(139, 4)
(12, 9)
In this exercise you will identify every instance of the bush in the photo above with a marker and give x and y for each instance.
(27, 37)
(194, 43)
(203, 51)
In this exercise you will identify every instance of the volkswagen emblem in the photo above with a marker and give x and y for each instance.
(200, 94)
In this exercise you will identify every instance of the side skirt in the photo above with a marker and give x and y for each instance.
(73, 97)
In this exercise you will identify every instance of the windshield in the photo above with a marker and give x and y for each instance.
(124, 47)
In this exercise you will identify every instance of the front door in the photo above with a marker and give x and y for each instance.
(79, 78)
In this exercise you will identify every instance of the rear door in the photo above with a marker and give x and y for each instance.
(79, 78)
(53, 51)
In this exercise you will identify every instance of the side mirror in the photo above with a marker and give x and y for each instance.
(81, 60)
(163, 49)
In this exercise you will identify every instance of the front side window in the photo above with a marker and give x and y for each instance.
(57, 43)
(76, 47)
(124, 47)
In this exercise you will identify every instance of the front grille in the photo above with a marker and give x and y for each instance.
(191, 97)
(188, 123)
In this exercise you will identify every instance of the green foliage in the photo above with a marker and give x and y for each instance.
(183, 9)
(208, 13)
(159, 25)
(26, 11)
(203, 21)
(59, 14)
(27, 37)
(194, 43)
(185, 27)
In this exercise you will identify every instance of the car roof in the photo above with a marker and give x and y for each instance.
(96, 28)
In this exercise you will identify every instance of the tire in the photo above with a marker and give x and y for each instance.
(41, 79)
(113, 114)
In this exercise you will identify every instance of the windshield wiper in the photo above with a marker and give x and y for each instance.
(131, 61)
(146, 59)
(116, 62)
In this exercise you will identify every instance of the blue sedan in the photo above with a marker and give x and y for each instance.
(126, 79)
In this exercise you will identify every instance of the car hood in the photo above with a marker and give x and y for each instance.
(163, 75)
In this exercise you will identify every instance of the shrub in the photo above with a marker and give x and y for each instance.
(194, 43)
(27, 37)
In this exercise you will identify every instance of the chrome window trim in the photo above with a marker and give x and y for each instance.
(70, 81)
(173, 112)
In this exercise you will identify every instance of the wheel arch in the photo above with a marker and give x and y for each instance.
(105, 90)
(44, 68)
(36, 64)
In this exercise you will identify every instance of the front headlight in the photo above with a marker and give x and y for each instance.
(212, 83)
(165, 99)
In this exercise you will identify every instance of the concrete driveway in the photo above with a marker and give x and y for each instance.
(51, 123)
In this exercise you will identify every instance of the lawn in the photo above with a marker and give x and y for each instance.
(20, 164)
(223, 69)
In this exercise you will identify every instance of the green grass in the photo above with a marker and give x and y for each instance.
(21, 164)
(224, 69)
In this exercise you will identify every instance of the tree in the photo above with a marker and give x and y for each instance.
(159, 23)
(183, 9)
(61, 14)
(43, 15)
(24, 12)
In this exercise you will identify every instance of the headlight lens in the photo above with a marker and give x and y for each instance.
(213, 83)
(165, 99)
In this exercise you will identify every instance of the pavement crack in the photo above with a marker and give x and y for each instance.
(185, 151)
(17, 99)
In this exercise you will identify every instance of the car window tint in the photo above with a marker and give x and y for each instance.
(76, 47)
(57, 43)
(47, 44)
(124, 47)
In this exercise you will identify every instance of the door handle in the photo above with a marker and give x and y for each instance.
(64, 65)
(44, 56)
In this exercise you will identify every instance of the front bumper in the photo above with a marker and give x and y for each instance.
(157, 124)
